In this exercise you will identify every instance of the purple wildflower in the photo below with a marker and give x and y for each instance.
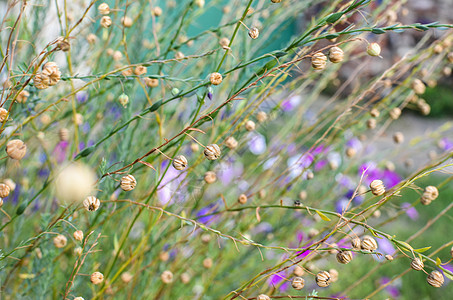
(82, 96)
(60, 151)
(391, 289)
(410, 210)
(171, 185)
(290, 103)
(257, 143)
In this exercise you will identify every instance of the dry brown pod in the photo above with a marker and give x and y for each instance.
(377, 187)
(398, 137)
(369, 243)
(333, 275)
(185, 278)
(418, 86)
(128, 183)
(166, 277)
(344, 257)
(216, 78)
(395, 113)
(106, 21)
(126, 277)
(231, 142)
(151, 82)
(180, 162)
(250, 125)
(417, 264)
(91, 203)
(96, 278)
(356, 243)
(78, 235)
(242, 199)
(212, 152)
(263, 297)
(254, 33)
(435, 279)
(140, 70)
(156, 11)
(210, 177)
(298, 271)
(126, 21)
(336, 55)
(104, 8)
(4, 190)
(429, 194)
(207, 263)
(60, 241)
(323, 279)
(318, 61)
(16, 149)
(298, 283)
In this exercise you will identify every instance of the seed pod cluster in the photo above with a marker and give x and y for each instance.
(429, 194)
(377, 187)
(49, 76)
(128, 183)
(323, 279)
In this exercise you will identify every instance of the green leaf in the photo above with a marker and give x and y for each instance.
(332, 18)
(438, 261)
(20, 210)
(377, 31)
(422, 27)
(332, 36)
(421, 250)
(374, 233)
(85, 152)
(323, 216)
(406, 245)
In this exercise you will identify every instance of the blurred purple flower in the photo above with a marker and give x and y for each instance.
(449, 268)
(341, 204)
(319, 165)
(60, 151)
(82, 96)
(229, 171)
(291, 103)
(211, 208)
(445, 144)
(410, 210)
(385, 246)
(171, 185)
(391, 289)
(257, 143)
(372, 172)
(355, 143)
(277, 278)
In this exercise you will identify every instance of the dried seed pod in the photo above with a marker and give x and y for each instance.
(344, 257)
(180, 162)
(318, 61)
(276, 1)
(210, 177)
(96, 278)
(377, 187)
(117, 55)
(323, 279)
(242, 199)
(164, 256)
(22, 96)
(63, 134)
(216, 78)
(167, 277)
(261, 116)
(128, 183)
(398, 137)
(350, 152)
(231, 142)
(106, 21)
(4, 190)
(377, 213)
(91, 203)
(104, 9)
(63, 44)
(333, 275)
(298, 283)
(336, 55)
(418, 86)
(254, 33)
(185, 278)
(16, 149)
(60, 241)
(263, 297)
(395, 113)
(212, 152)
(436, 279)
(389, 257)
(126, 21)
(3, 114)
(78, 235)
(450, 57)
(207, 263)
(51, 73)
(179, 55)
(369, 243)
(417, 264)
(373, 49)
(446, 71)
(156, 11)
(374, 113)
(429, 194)
(78, 251)
(298, 271)
(250, 125)
(140, 70)
(126, 277)
(123, 99)
(224, 42)
(151, 82)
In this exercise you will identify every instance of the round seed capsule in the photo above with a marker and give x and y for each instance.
(78, 235)
(104, 9)
(166, 277)
(356, 243)
(298, 283)
(16, 149)
(336, 55)
(106, 22)
(395, 113)
(398, 137)
(128, 183)
(333, 275)
(298, 271)
(254, 33)
(377, 187)
(417, 264)
(263, 297)
(231, 143)
(323, 279)
(436, 279)
(389, 257)
(96, 278)
(242, 199)
(318, 61)
(344, 257)
(91, 203)
(373, 49)
(216, 78)
(368, 243)
(180, 162)
(250, 125)
(212, 152)
(60, 241)
(429, 194)
(126, 277)
(210, 177)
(4, 190)
(418, 86)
